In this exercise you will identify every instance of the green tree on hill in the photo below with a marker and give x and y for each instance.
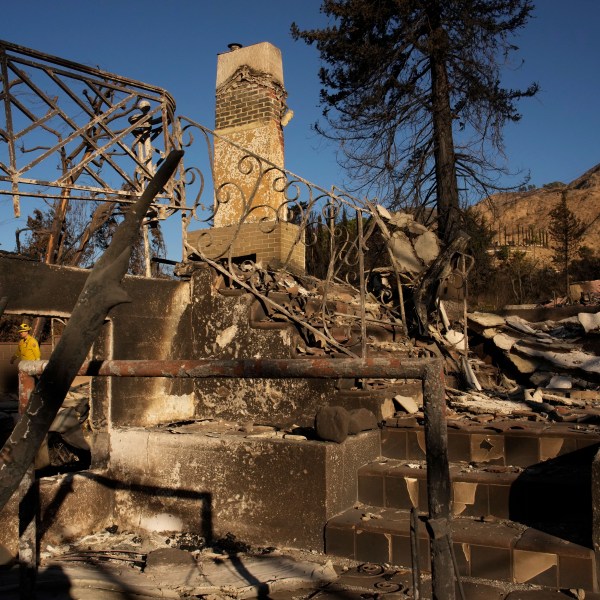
(566, 234)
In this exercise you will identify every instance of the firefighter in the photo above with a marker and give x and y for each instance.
(28, 348)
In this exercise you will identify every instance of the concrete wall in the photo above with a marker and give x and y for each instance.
(154, 325)
(266, 491)
(221, 329)
(172, 320)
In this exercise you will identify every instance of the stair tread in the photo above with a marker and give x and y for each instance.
(499, 425)
(467, 472)
(504, 443)
(500, 550)
(497, 532)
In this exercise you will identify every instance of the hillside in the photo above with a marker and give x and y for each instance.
(529, 211)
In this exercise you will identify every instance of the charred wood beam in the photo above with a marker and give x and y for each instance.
(102, 292)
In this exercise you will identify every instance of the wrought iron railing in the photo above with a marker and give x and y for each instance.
(329, 233)
(68, 127)
(70, 132)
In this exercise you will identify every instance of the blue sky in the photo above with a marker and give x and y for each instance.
(174, 44)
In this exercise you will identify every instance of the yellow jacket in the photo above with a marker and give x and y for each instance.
(28, 349)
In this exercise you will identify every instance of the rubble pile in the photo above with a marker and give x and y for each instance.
(545, 351)
(396, 299)
(543, 370)
(327, 314)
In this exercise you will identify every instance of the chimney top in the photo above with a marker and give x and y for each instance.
(262, 57)
(234, 46)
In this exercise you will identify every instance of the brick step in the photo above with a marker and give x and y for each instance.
(555, 496)
(501, 551)
(509, 442)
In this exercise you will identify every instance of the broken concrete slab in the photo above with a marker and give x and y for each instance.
(404, 253)
(524, 365)
(407, 403)
(560, 382)
(332, 423)
(589, 321)
(485, 320)
(427, 247)
(574, 360)
(520, 324)
(504, 341)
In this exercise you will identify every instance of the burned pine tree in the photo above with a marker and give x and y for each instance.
(412, 90)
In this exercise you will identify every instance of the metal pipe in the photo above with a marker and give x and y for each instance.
(28, 510)
(303, 368)
(438, 482)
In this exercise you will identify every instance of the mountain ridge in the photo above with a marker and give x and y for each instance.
(511, 214)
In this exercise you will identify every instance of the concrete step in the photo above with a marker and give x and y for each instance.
(500, 551)
(507, 442)
(554, 496)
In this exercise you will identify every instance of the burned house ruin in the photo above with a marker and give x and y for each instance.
(204, 387)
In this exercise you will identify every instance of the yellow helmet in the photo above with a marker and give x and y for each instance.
(24, 327)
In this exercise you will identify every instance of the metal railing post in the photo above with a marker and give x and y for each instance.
(28, 509)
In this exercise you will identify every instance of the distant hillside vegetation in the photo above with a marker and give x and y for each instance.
(529, 210)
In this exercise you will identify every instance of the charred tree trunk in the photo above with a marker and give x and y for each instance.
(426, 291)
(445, 160)
(102, 291)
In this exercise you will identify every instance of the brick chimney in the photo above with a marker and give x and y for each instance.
(250, 105)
